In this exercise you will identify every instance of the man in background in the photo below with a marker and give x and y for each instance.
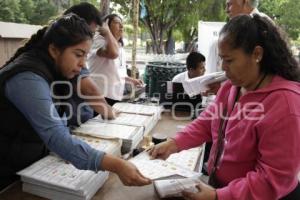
(232, 9)
(195, 64)
(247, 7)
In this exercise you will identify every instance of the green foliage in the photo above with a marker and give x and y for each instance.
(206, 10)
(10, 11)
(181, 16)
(35, 11)
(290, 22)
(177, 35)
(285, 13)
(27, 11)
(43, 11)
(27, 7)
(271, 7)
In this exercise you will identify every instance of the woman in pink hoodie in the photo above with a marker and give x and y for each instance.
(254, 123)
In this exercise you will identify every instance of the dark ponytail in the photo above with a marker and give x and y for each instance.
(247, 32)
(66, 31)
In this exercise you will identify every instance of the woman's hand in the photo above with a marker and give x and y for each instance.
(205, 192)
(212, 89)
(134, 81)
(137, 82)
(104, 29)
(112, 113)
(116, 113)
(163, 150)
(127, 172)
(108, 112)
(130, 175)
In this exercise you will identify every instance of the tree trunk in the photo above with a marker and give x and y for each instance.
(189, 44)
(170, 44)
(104, 7)
(157, 30)
(156, 37)
(154, 33)
(135, 35)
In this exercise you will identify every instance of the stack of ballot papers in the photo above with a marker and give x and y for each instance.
(131, 136)
(187, 159)
(181, 171)
(138, 108)
(145, 121)
(174, 187)
(54, 178)
(133, 123)
(151, 115)
(190, 159)
(111, 146)
(181, 164)
(195, 86)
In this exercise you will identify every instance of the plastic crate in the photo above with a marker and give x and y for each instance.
(160, 71)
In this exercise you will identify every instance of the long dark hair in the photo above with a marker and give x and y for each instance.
(110, 18)
(66, 31)
(247, 32)
(86, 11)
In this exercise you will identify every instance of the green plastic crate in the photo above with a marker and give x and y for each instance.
(160, 71)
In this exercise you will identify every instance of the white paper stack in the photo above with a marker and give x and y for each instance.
(145, 121)
(187, 160)
(195, 86)
(133, 123)
(174, 187)
(152, 112)
(181, 164)
(131, 135)
(111, 146)
(52, 177)
(137, 108)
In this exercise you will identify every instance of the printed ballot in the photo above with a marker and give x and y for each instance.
(181, 164)
(174, 187)
(54, 178)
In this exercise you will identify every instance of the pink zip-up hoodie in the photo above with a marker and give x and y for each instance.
(261, 157)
